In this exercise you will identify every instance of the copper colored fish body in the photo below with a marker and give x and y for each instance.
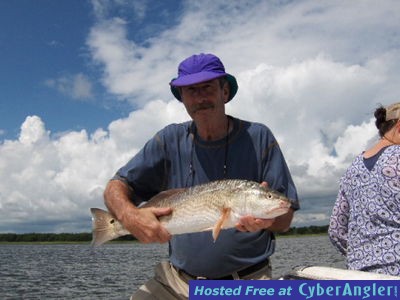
(212, 206)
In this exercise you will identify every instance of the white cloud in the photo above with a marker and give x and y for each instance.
(130, 71)
(312, 71)
(103, 9)
(77, 86)
(308, 106)
(58, 178)
(132, 132)
(50, 179)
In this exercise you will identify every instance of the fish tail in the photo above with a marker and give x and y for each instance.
(103, 227)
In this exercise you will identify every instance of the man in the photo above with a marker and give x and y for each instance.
(212, 146)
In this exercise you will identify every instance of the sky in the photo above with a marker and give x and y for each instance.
(84, 84)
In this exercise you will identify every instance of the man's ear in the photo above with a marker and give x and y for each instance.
(225, 92)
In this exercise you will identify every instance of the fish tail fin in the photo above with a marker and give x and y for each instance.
(219, 225)
(103, 227)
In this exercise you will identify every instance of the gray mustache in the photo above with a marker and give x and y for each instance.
(202, 106)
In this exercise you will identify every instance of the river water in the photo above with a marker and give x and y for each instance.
(114, 271)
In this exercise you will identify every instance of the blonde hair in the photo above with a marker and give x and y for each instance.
(393, 112)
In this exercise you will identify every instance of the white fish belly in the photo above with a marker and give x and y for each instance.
(186, 221)
(191, 219)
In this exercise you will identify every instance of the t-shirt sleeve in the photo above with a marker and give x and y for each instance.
(276, 172)
(146, 172)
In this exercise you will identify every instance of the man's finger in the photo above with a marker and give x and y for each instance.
(161, 211)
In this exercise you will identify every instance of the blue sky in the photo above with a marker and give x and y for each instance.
(85, 83)
(44, 41)
(43, 49)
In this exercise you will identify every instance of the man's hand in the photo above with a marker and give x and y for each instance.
(143, 223)
(264, 184)
(249, 223)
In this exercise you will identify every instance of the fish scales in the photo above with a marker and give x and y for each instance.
(187, 205)
(213, 206)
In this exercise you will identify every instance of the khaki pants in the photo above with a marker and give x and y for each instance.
(169, 284)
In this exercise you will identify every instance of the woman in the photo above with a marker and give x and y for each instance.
(365, 222)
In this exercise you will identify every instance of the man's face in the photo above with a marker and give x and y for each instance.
(205, 98)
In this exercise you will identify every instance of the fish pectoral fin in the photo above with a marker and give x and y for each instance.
(222, 220)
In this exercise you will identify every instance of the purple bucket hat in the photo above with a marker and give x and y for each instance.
(199, 68)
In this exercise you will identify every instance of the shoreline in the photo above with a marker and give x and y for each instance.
(278, 236)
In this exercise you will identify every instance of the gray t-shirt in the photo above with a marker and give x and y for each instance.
(176, 157)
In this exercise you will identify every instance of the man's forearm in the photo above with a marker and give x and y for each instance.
(117, 198)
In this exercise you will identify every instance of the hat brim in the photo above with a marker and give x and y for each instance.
(196, 78)
(175, 84)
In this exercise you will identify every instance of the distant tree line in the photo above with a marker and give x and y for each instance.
(45, 237)
(306, 230)
(53, 237)
(87, 236)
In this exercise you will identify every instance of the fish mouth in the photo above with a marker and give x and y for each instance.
(281, 209)
(284, 204)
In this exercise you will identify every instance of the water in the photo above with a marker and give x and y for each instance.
(304, 251)
(114, 271)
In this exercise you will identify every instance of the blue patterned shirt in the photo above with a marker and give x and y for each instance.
(365, 222)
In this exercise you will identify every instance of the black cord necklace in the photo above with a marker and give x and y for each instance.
(226, 149)
(193, 132)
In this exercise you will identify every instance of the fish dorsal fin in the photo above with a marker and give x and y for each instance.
(226, 211)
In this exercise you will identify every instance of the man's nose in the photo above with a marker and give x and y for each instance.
(199, 94)
(200, 91)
